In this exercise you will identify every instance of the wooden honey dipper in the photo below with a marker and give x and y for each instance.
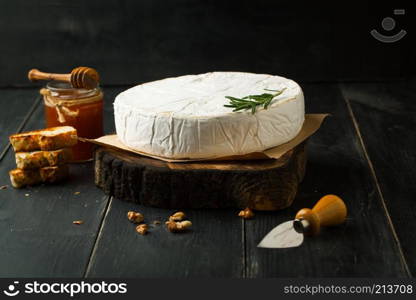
(80, 77)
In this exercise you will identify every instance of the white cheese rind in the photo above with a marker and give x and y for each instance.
(185, 117)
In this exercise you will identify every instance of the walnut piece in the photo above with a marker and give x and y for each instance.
(178, 226)
(246, 213)
(178, 216)
(135, 217)
(142, 229)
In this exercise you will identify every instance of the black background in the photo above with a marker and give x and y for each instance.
(135, 41)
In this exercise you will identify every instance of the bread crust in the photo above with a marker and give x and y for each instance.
(21, 177)
(40, 159)
(46, 139)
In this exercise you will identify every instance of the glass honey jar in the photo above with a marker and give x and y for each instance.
(79, 108)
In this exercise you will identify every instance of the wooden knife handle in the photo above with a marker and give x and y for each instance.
(35, 74)
(330, 210)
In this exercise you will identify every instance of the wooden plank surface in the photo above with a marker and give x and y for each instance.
(386, 117)
(38, 238)
(364, 246)
(213, 248)
(16, 107)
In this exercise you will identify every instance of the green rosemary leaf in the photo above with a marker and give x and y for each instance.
(232, 98)
(253, 108)
(252, 101)
(240, 108)
(261, 98)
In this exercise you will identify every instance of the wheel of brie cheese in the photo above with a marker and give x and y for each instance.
(185, 117)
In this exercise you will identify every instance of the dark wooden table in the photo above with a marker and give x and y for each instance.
(365, 153)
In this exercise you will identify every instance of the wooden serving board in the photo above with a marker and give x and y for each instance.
(259, 184)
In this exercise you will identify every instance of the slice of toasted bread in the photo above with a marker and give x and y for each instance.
(20, 177)
(46, 139)
(39, 159)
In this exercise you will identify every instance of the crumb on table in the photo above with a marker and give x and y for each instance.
(246, 213)
(142, 229)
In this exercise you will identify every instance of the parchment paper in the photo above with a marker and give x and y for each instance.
(310, 126)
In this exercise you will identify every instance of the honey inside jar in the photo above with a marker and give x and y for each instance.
(79, 108)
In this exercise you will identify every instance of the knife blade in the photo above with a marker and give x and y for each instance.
(330, 210)
(282, 236)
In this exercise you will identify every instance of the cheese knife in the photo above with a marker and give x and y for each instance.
(330, 210)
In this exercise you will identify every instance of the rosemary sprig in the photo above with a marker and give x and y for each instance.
(252, 101)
